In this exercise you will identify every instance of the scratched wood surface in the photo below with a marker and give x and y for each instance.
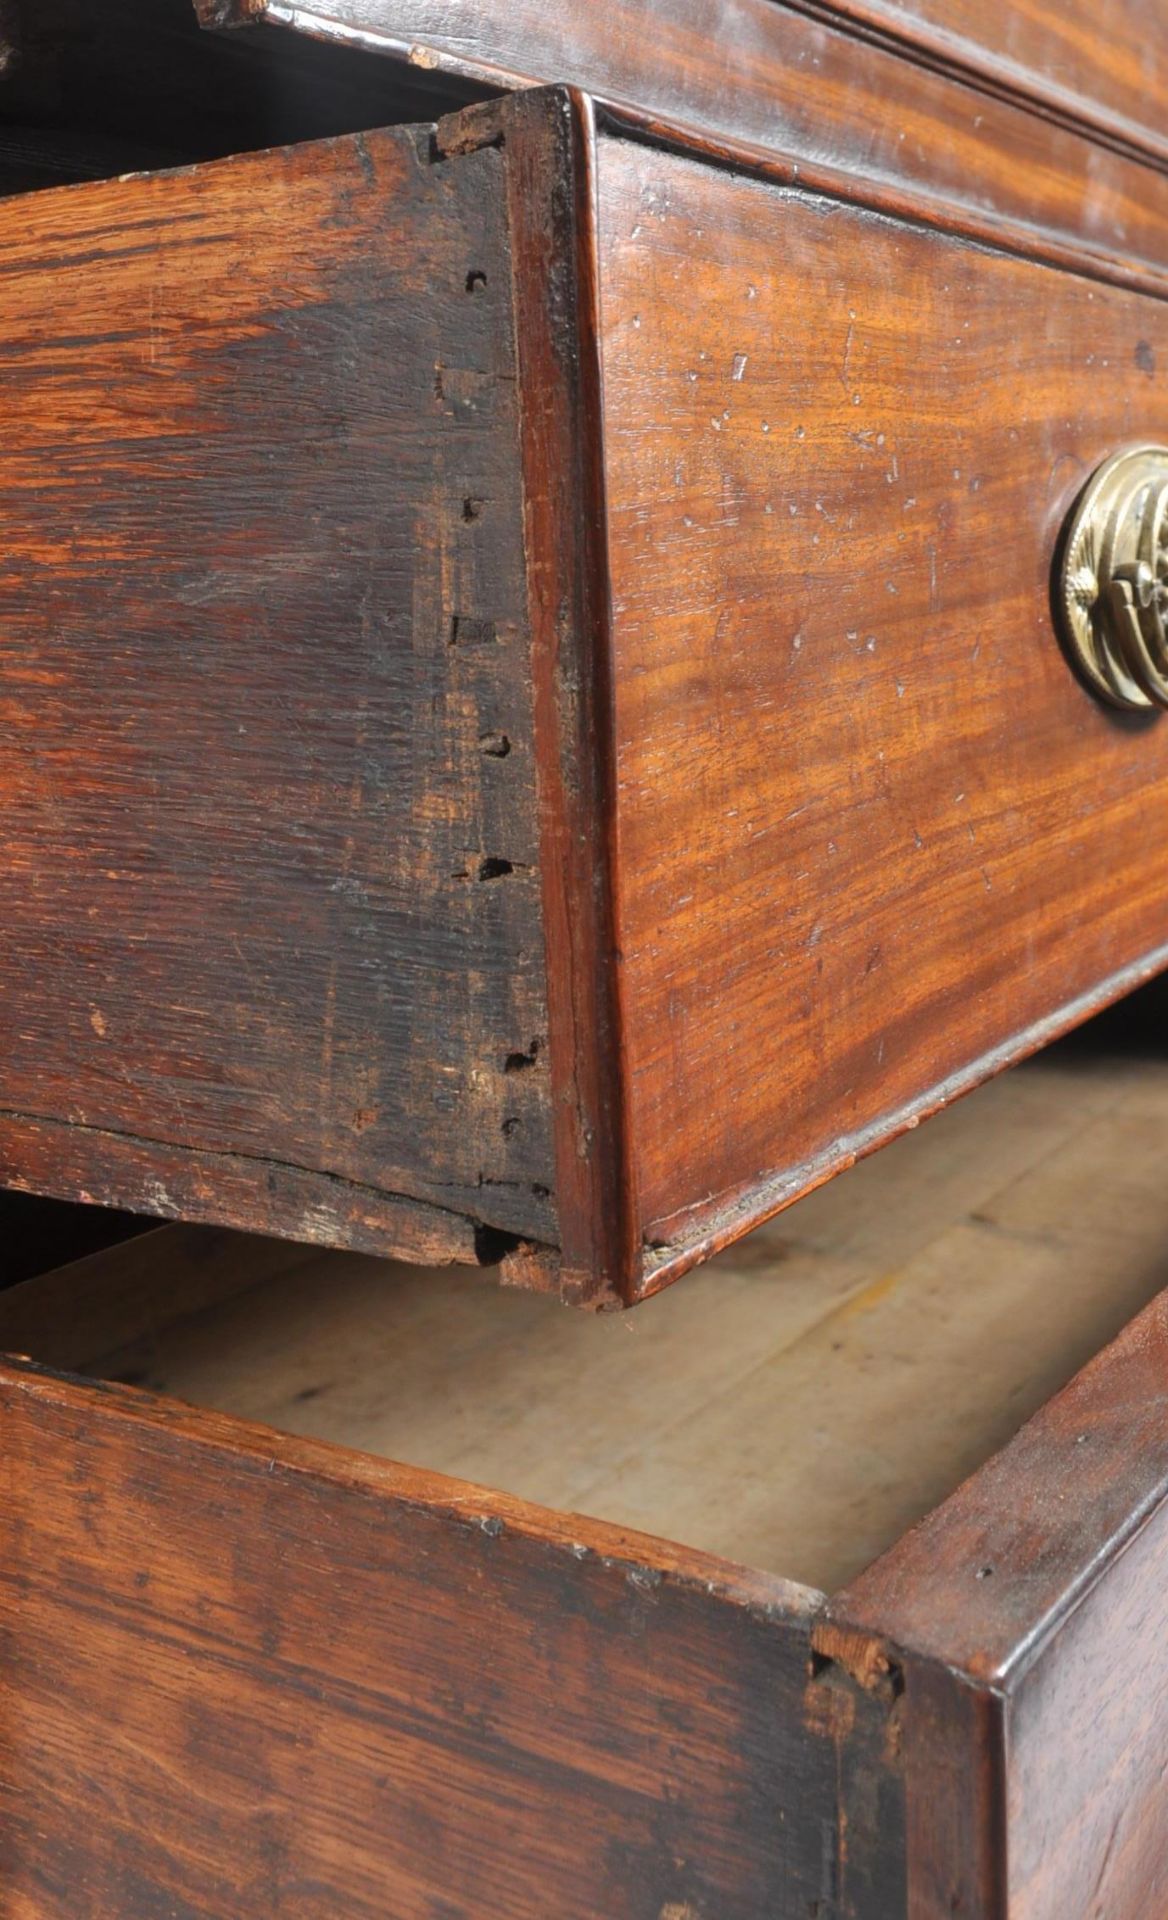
(272, 946)
(247, 1675)
(873, 835)
(1028, 1619)
(782, 79)
(174, 1565)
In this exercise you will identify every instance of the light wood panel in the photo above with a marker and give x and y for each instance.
(798, 1403)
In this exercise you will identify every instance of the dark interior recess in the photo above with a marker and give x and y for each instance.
(93, 88)
(37, 1235)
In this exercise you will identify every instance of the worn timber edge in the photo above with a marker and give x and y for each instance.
(714, 1758)
(682, 1242)
(750, 91)
(999, 1610)
(549, 137)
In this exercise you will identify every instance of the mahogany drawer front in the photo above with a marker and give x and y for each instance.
(532, 722)
(874, 835)
(246, 1673)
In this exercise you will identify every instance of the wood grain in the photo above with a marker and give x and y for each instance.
(246, 1674)
(549, 138)
(1101, 62)
(874, 838)
(795, 1406)
(273, 949)
(167, 1573)
(1038, 1591)
(780, 80)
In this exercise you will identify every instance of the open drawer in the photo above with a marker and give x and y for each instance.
(258, 1670)
(531, 727)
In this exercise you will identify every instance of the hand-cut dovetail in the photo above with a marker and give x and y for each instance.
(470, 630)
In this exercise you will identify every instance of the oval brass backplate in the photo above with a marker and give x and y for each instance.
(1113, 590)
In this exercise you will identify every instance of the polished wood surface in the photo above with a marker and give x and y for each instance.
(629, 873)
(780, 80)
(873, 837)
(272, 943)
(1100, 62)
(1030, 1616)
(245, 1675)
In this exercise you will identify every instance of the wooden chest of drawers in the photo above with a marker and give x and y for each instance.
(562, 682)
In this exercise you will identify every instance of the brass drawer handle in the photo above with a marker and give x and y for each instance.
(1113, 589)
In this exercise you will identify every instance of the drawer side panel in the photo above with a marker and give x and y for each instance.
(272, 947)
(244, 1675)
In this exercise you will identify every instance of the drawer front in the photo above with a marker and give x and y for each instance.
(249, 1676)
(533, 724)
(272, 944)
(874, 836)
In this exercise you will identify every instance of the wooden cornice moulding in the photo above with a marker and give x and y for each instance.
(1113, 65)
(783, 83)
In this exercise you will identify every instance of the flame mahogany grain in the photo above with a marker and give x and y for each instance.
(1101, 62)
(873, 838)
(561, 797)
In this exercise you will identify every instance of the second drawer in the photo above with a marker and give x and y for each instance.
(261, 1672)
